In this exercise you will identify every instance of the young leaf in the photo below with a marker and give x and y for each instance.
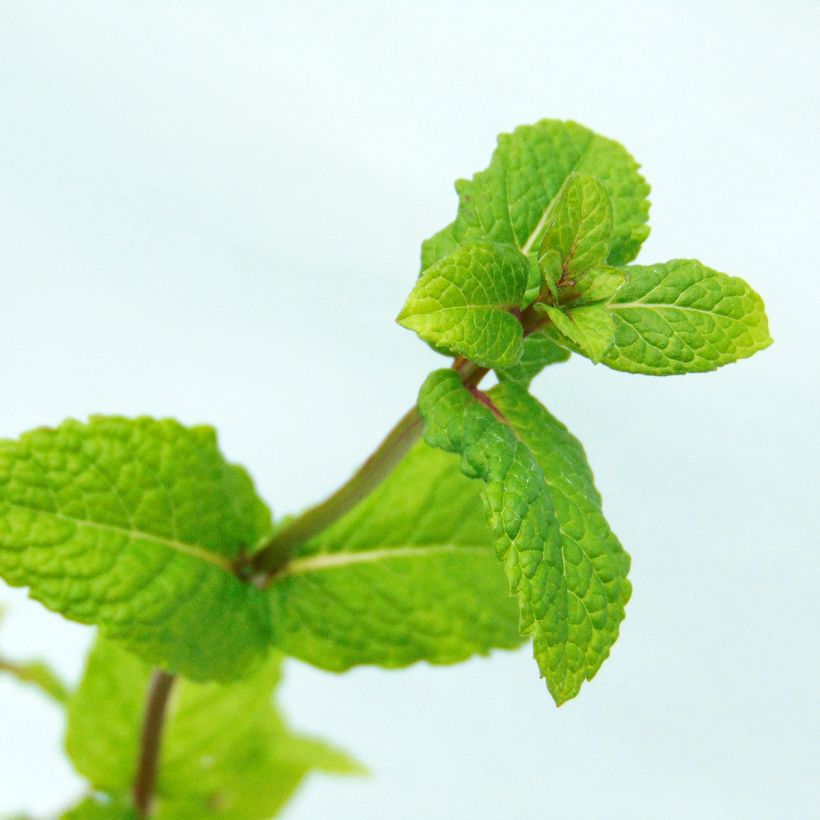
(510, 200)
(598, 285)
(461, 305)
(579, 227)
(563, 562)
(539, 352)
(135, 525)
(682, 317)
(408, 575)
(226, 751)
(590, 329)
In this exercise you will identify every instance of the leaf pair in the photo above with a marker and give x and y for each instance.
(136, 525)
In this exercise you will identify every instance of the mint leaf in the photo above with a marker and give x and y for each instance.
(35, 673)
(461, 304)
(682, 317)
(407, 575)
(438, 246)
(590, 329)
(579, 228)
(510, 200)
(598, 285)
(564, 564)
(101, 807)
(539, 352)
(226, 750)
(135, 525)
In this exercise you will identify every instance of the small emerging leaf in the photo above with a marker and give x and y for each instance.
(590, 329)
(579, 228)
(598, 285)
(462, 304)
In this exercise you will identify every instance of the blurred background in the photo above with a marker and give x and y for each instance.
(213, 211)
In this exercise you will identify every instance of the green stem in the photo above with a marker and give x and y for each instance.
(387, 455)
(159, 691)
(276, 553)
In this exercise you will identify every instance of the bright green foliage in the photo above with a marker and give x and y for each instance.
(579, 229)
(682, 317)
(101, 807)
(461, 304)
(35, 673)
(226, 751)
(590, 329)
(134, 525)
(509, 201)
(142, 528)
(598, 285)
(408, 575)
(563, 562)
(539, 352)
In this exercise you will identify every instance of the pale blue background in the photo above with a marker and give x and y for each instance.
(213, 210)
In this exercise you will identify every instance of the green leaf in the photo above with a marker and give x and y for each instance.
(226, 751)
(438, 246)
(101, 807)
(590, 329)
(135, 525)
(35, 673)
(408, 575)
(579, 227)
(551, 268)
(539, 352)
(509, 201)
(682, 317)
(563, 562)
(598, 285)
(461, 305)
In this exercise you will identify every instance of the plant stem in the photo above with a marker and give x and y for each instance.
(283, 543)
(378, 466)
(151, 741)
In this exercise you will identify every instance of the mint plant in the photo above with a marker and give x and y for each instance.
(142, 528)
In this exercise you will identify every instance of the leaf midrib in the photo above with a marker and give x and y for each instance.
(335, 560)
(195, 550)
(668, 306)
